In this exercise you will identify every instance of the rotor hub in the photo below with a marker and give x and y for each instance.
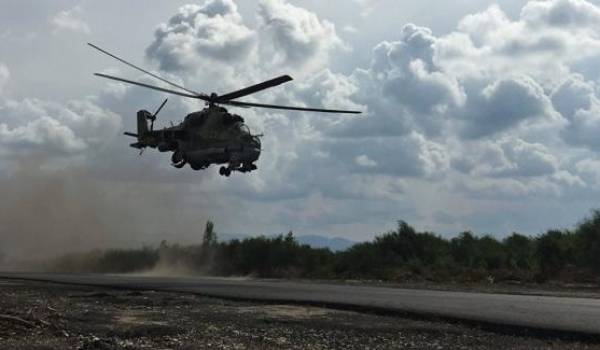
(213, 98)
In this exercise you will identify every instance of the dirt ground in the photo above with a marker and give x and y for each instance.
(51, 316)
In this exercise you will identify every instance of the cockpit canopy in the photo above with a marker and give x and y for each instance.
(229, 119)
(243, 128)
(195, 119)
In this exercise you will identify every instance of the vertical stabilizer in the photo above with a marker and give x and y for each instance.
(142, 123)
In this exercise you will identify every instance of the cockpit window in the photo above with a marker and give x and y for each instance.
(195, 119)
(244, 128)
(229, 119)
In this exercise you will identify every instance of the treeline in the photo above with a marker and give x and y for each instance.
(400, 255)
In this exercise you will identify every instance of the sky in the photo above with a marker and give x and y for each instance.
(478, 115)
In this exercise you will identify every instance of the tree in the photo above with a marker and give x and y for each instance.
(520, 252)
(464, 249)
(554, 251)
(588, 242)
(397, 247)
(491, 252)
(210, 237)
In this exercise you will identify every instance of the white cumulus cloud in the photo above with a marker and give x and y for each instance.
(212, 32)
(54, 129)
(295, 36)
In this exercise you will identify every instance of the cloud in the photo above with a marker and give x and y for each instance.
(573, 94)
(583, 128)
(213, 37)
(404, 89)
(410, 74)
(561, 14)
(295, 36)
(367, 6)
(70, 21)
(328, 90)
(43, 133)
(53, 129)
(577, 101)
(482, 26)
(489, 43)
(212, 32)
(348, 29)
(4, 76)
(487, 78)
(408, 156)
(590, 170)
(504, 104)
(365, 161)
(509, 157)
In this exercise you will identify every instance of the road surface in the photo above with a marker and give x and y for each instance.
(546, 313)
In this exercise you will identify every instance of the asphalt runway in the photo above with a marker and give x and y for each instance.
(545, 313)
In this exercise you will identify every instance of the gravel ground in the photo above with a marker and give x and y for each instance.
(50, 316)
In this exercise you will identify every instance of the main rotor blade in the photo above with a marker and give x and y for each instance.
(201, 97)
(254, 88)
(145, 71)
(260, 105)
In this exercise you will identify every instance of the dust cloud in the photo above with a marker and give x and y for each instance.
(45, 213)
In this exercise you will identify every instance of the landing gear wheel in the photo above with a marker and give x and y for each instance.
(247, 168)
(196, 166)
(225, 171)
(178, 159)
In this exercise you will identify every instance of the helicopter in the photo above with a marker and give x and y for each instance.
(209, 136)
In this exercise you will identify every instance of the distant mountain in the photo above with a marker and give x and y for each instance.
(335, 243)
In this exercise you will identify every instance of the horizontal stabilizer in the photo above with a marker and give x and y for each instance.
(137, 145)
(126, 133)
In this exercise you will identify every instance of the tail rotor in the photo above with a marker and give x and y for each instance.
(152, 117)
(142, 128)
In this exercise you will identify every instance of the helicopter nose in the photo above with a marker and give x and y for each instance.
(255, 154)
(255, 151)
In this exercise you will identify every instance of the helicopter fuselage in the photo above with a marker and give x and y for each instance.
(210, 136)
